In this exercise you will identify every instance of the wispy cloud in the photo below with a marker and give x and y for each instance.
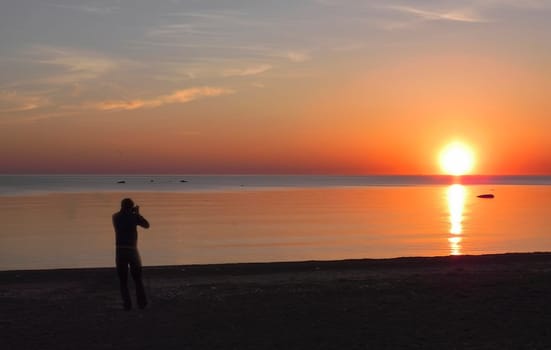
(211, 25)
(296, 56)
(87, 8)
(12, 101)
(72, 66)
(211, 15)
(181, 30)
(457, 15)
(526, 4)
(178, 96)
(89, 66)
(254, 70)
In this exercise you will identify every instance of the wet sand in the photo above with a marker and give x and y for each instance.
(466, 302)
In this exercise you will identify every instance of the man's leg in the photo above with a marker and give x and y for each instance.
(136, 271)
(122, 271)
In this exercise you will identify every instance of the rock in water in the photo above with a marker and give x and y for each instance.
(487, 195)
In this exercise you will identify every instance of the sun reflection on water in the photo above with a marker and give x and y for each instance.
(456, 203)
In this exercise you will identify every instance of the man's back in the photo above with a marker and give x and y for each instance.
(125, 224)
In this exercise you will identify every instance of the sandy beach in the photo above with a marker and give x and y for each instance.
(464, 302)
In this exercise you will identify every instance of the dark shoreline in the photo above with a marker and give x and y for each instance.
(417, 261)
(500, 301)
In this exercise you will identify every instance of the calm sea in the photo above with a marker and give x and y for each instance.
(65, 221)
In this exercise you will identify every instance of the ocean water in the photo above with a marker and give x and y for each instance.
(65, 221)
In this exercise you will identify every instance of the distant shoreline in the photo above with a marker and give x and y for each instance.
(263, 267)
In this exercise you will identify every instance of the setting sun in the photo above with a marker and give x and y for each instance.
(457, 159)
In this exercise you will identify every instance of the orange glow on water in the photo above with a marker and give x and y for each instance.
(456, 195)
(276, 225)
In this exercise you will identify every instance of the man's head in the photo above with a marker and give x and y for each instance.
(127, 204)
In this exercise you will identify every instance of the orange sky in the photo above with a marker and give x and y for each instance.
(309, 88)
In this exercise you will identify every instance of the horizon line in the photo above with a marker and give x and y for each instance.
(268, 174)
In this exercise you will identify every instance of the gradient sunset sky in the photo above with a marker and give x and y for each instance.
(299, 87)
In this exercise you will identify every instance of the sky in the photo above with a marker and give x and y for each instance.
(273, 87)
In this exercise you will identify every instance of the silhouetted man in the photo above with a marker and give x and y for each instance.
(125, 223)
